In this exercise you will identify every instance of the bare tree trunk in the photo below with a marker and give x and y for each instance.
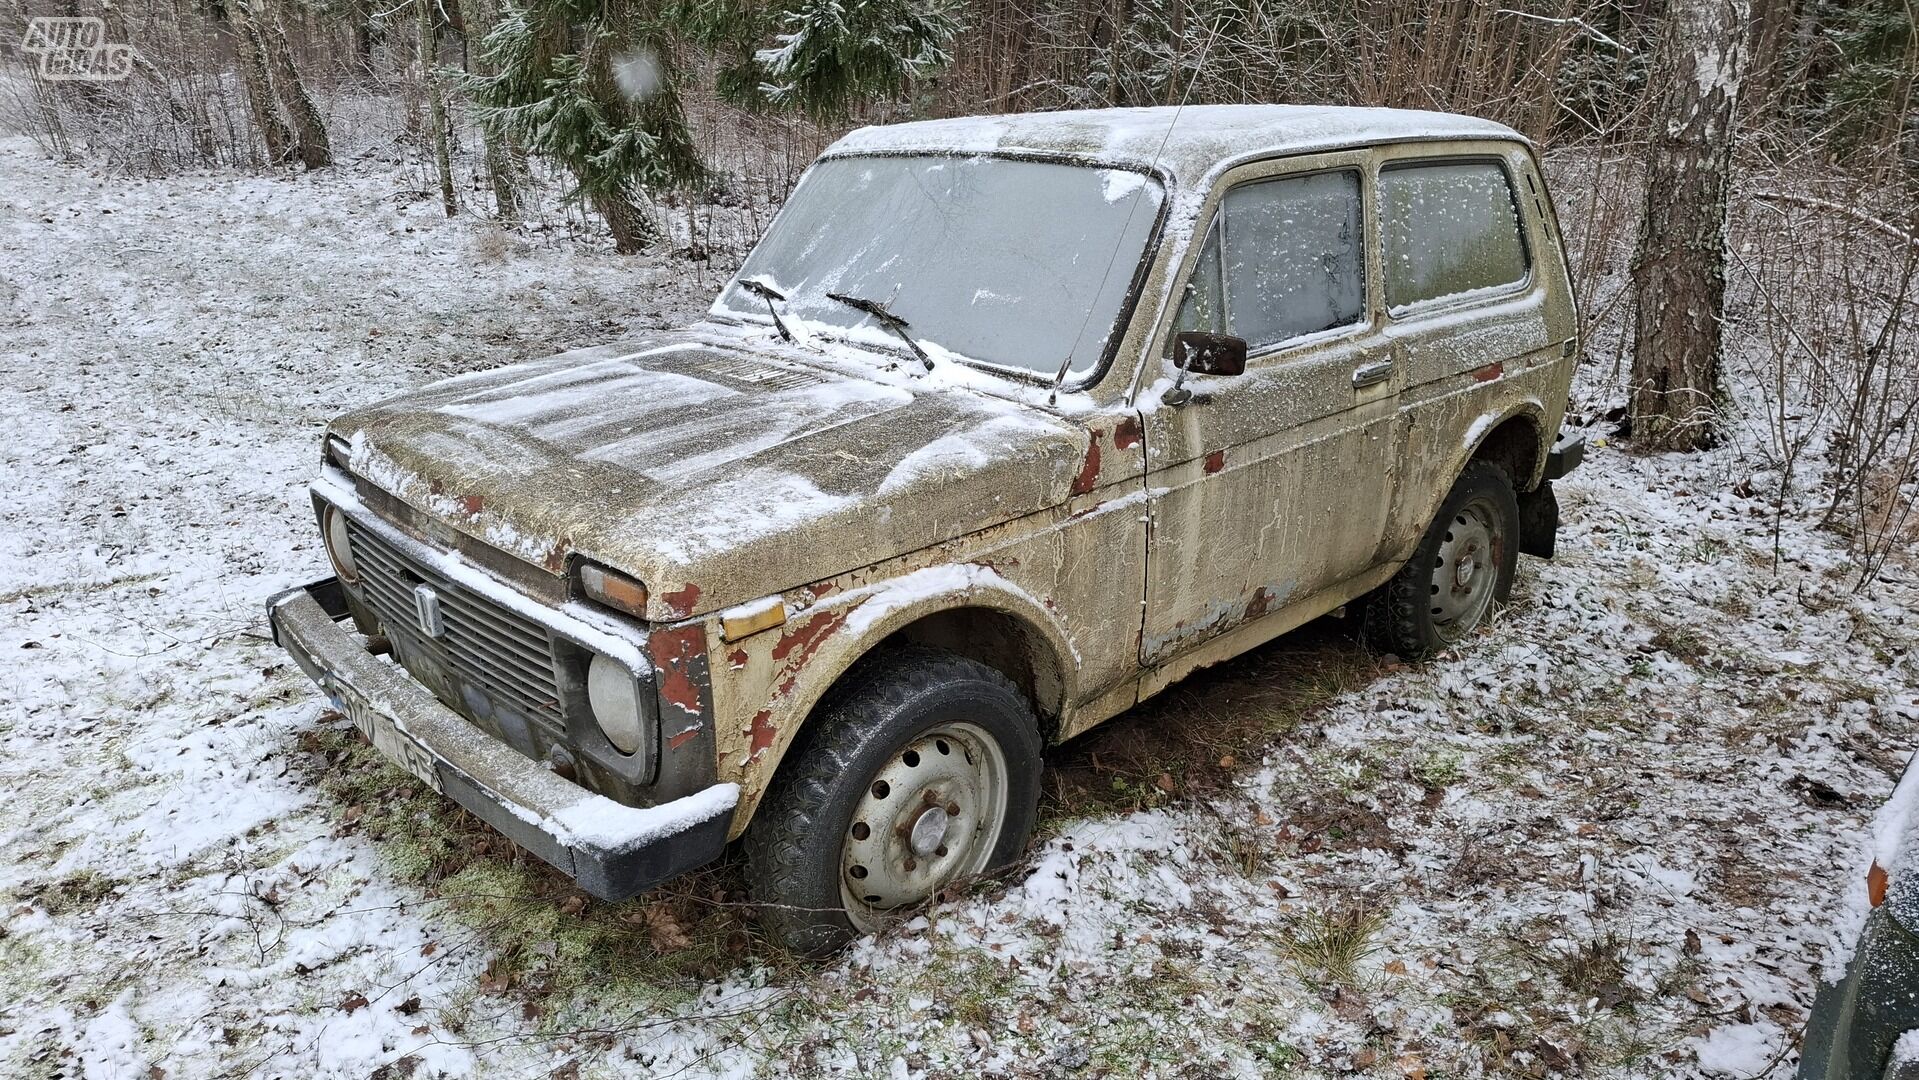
(623, 220)
(1768, 36)
(359, 16)
(274, 133)
(315, 151)
(1679, 271)
(429, 49)
(506, 170)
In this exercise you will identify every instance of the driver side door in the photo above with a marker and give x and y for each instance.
(1269, 487)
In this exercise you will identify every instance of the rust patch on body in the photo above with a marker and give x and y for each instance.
(807, 636)
(471, 505)
(1089, 472)
(763, 733)
(681, 603)
(682, 738)
(1215, 461)
(1260, 604)
(1490, 372)
(1127, 434)
(737, 658)
(675, 651)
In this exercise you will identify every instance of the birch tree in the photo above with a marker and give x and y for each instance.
(1679, 270)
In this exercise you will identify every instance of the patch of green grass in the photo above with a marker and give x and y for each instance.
(1442, 767)
(81, 890)
(1270, 1049)
(549, 941)
(1325, 946)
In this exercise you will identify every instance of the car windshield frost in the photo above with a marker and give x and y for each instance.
(1016, 264)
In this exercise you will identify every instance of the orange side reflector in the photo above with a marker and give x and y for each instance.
(735, 627)
(1876, 885)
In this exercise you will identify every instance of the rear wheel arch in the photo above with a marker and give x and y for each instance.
(1516, 442)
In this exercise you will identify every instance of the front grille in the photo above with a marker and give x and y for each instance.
(498, 652)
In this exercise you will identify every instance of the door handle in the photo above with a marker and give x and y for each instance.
(1369, 374)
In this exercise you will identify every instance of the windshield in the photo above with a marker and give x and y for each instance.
(1012, 263)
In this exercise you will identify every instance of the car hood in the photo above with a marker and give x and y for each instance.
(714, 473)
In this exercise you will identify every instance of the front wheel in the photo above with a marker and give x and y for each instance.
(923, 770)
(1460, 572)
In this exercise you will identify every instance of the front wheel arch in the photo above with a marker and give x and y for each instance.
(987, 600)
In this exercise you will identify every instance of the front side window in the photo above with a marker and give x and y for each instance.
(1292, 259)
(1205, 306)
(1452, 229)
(1012, 263)
(1284, 259)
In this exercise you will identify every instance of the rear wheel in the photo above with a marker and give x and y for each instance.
(1460, 573)
(921, 771)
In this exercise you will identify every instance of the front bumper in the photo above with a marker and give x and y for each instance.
(612, 850)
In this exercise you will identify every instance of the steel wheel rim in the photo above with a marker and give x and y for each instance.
(1466, 570)
(931, 815)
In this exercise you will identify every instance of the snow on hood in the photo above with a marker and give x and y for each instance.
(715, 475)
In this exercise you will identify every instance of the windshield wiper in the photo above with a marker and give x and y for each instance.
(893, 322)
(769, 294)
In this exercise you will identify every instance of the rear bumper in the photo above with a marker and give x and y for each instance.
(1567, 452)
(610, 849)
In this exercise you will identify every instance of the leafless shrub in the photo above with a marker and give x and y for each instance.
(1830, 292)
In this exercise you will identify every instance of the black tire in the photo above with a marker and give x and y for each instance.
(1402, 616)
(802, 835)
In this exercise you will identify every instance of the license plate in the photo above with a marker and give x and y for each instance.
(385, 735)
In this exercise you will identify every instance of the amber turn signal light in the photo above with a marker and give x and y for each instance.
(1876, 884)
(614, 589)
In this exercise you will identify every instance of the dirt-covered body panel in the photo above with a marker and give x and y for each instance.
(709, 472)
(790, 507)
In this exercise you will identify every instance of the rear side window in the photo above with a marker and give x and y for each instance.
(1285, 259)
(1451, 229)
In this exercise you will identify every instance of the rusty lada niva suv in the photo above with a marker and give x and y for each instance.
(1007, 424)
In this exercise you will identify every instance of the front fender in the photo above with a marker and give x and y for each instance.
(768, 685)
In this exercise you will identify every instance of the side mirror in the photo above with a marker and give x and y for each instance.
(1209, 354)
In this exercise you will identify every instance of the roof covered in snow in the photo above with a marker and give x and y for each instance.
(1191, 142)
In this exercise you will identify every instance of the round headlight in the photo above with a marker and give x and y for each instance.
(614, 695)
(337, 550)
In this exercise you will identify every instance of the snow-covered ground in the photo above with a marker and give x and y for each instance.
(1617, 836)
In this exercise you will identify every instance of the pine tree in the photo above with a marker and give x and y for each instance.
(553, 90)
(1865, 89)
(591, 84)
(831, 54)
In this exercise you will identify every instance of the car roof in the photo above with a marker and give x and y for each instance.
(1204, 140)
